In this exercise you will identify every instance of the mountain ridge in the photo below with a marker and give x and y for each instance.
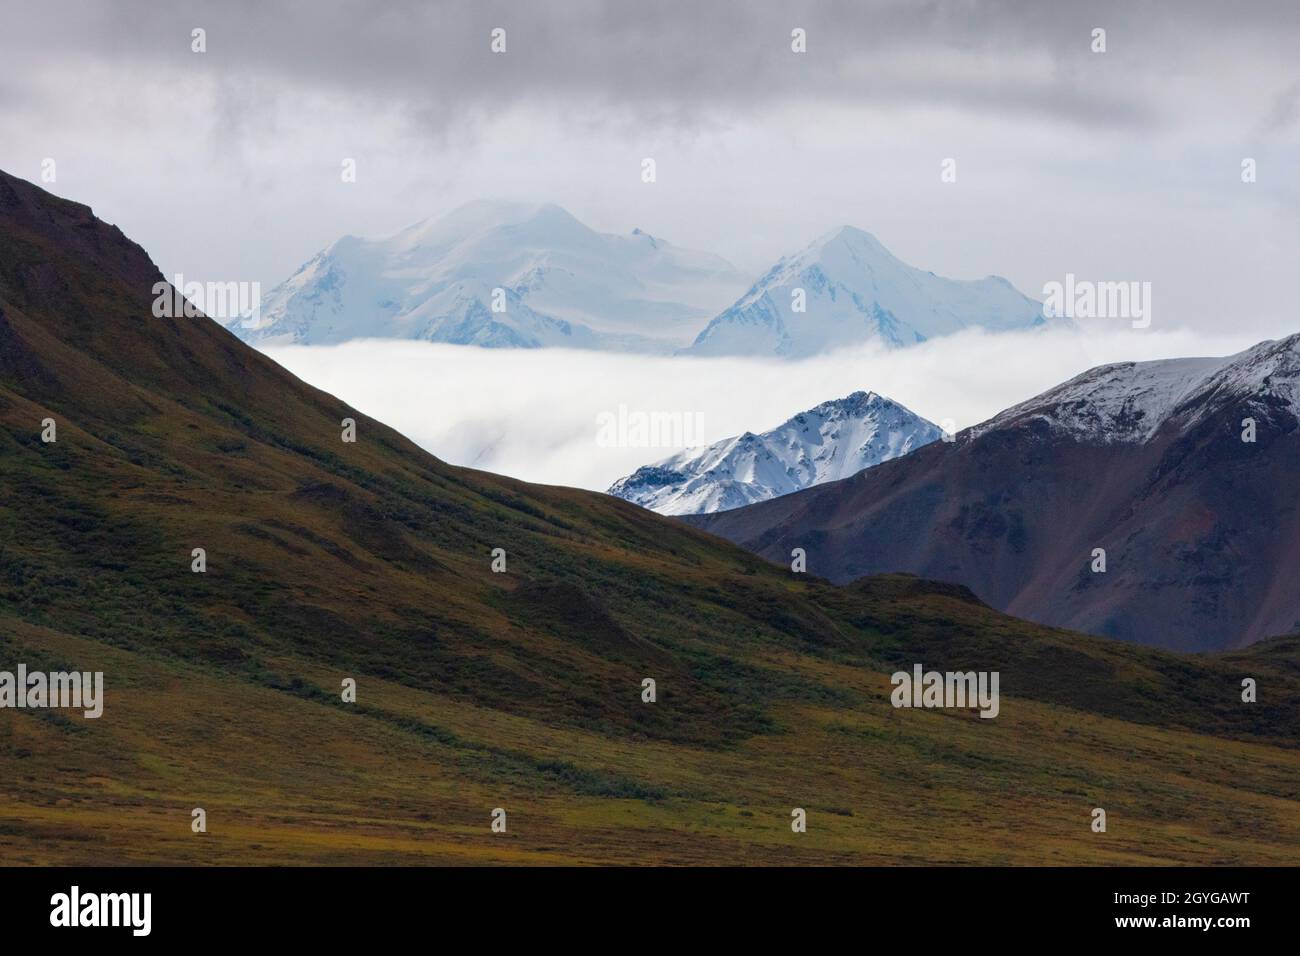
(834, 439)
(510, 274)
(1145, 461)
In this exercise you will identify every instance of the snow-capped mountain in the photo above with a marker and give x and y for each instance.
(1149, 501)
(834, 440)
(853, 289)
(560, 284)
(1129, 402)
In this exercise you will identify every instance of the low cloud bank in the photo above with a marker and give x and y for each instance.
(548, 415)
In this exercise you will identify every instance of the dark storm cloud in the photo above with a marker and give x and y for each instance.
(676, 60)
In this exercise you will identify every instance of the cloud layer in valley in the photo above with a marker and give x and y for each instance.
(535, 414)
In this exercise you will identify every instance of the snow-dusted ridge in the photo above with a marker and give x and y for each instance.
(834, 440)
(1129, 402)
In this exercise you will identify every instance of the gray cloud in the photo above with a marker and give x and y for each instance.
(674, 60)
(1286, 110)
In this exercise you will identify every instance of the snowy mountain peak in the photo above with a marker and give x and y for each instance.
(1129, 402)
(850, 238)
(501, 273)
(856, 401)
(846, 288)
(833, 440)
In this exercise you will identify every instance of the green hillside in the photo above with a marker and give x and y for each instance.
(371, 560)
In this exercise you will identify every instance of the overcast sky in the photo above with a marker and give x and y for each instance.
(1117, 165)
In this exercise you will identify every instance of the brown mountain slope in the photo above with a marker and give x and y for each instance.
(1201, 529)
(329, 561)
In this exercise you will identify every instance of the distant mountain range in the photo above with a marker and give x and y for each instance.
(561, 284)
(1145, 461)
(834, 440)
(514, 275)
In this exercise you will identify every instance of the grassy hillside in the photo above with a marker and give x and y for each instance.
(371, 560)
